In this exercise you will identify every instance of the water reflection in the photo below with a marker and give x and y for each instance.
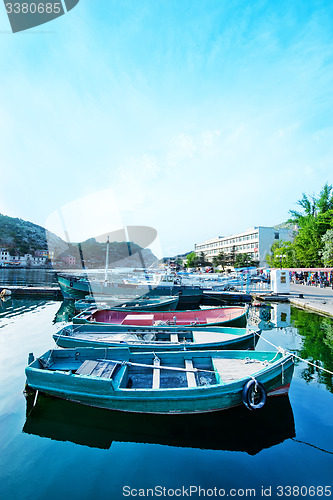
(11, 308)
(317, 334)
(237, 429)
(66, 311)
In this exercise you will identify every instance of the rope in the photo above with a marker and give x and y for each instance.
(312, 445)
(143, 365)
(280, 349)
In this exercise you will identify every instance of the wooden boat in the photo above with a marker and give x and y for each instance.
(58, 420)
(177, 382)
(222, 316)
(160, 340)
(166, 303)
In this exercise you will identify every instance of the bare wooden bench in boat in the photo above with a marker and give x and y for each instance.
(190, 375)
(104, 369)
(234, 369)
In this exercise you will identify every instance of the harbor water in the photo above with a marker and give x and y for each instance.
(53, 449)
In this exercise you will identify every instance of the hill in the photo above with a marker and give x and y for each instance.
(23, 237)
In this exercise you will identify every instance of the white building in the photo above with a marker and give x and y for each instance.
(26, 260)
(256, 241)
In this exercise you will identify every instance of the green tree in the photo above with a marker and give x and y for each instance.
(243, 260)
(327, 251)
(220, 260)
(192, 260)
(313, 221)
(202, 261)
(284, 248)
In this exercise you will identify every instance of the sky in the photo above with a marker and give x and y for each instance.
(197, 118)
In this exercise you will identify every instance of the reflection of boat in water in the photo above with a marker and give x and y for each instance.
(234, 430)
(65, 312)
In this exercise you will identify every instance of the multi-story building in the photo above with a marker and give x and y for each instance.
(256, 241)
(44, 253)
(26, 260)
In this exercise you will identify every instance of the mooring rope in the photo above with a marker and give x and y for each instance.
(280, 349)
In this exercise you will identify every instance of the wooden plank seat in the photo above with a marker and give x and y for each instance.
(104, 369)
(174, 337)
(190, 375)
(234, 369)
(156, 373)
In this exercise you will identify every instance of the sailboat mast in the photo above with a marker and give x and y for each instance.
(107, 261)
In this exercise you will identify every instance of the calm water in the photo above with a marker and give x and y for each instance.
(64, 450)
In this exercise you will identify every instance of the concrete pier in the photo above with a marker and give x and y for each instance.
(316, 299)
(34, 291)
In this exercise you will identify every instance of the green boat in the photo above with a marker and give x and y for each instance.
(121, 319)
(177, 382)
(161, 340)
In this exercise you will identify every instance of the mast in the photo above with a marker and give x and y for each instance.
(107, 262)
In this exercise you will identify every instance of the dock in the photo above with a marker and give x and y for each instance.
(52, 292)
(314, 298)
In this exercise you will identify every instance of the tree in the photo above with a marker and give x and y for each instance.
(202, 261)
(243, 260)
(314, 221)
(220, 260)
(192, 260)
(282, 248)
(327, 251)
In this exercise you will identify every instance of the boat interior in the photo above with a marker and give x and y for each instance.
(152, 372)
(203, 316)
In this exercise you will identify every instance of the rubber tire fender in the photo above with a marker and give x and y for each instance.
(247, 390)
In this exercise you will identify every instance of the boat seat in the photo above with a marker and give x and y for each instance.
(156, 373)
(104, 369)
(87, 367)
(190, 375)
(174, 337)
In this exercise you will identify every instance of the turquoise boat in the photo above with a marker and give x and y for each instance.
(121, 319)
(166, 303)
(161, 340)
(178, 382)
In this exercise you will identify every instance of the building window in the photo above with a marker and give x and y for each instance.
(276, 235)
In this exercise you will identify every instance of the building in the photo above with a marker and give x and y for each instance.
(26, 260)
(47, 254)
(69, 259)
(256, 241)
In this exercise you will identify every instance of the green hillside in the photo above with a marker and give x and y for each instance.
(21, 237)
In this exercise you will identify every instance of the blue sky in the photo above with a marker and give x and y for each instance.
(198, 118)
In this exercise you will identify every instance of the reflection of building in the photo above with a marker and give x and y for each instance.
(256, 241)
(280, 314)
